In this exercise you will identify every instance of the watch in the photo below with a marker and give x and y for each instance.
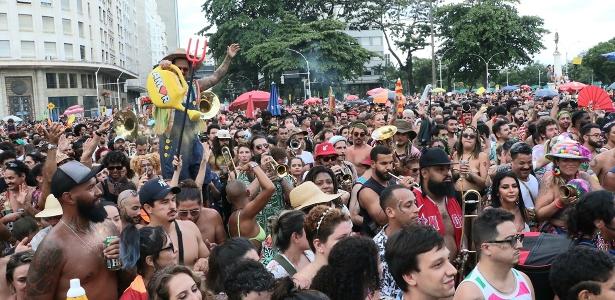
(253, 165)
(52, 146)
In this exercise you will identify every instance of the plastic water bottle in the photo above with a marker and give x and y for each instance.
(76, 292)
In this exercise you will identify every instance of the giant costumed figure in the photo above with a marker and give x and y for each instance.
(172, 90)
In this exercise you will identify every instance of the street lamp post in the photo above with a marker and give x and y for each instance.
(440, 65)
(307, 63)
(539, 77)
(97, 94)
(487, 64)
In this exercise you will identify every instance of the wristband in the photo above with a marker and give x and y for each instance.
(52, 146)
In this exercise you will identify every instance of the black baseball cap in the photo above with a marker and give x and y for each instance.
(434, 157)
(70, 175)
(155, 189)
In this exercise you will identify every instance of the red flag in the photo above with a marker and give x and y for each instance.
(250, 109)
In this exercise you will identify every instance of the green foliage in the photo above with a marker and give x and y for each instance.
(603, 70)
(486, 28)
(265, 29)
(518, 76)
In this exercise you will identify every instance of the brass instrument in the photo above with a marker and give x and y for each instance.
(399, 179)
(208, 105)
(569, 193)
(345, 177)
(228, 158)
(471, 206)
(295, 146)
(280, 170)
(126, 125)
(384, 135)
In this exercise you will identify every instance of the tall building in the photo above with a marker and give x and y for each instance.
(167, 9)
(64, 52)
(372, 40)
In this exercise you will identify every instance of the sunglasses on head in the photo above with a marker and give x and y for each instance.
(116, 168)
(329, 158)
(193, 212)
(262, 146)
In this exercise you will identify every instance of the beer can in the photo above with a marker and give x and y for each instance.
(113, 264)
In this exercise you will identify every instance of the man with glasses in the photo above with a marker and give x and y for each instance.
(592, 138)
(498, 243)
(359, 150)
(208, 220)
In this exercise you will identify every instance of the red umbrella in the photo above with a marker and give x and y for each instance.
(352, 98)
(594, 97)
(260, 99)
(376, 91)
(250, 109)
(312, 101)
(525, 87)
(572, 86)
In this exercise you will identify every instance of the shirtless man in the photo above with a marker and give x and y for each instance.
(158, 200)
(73, 248)
(602, 164)
(190, 208)
(359, 151)
(438, 206)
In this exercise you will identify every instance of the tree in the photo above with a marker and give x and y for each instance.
(527, 75)
(603, 70)
(490, 29)
(404, 24)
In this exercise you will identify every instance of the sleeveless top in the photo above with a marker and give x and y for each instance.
(521, 292)
(260, 237)
(429, 214)
(369, 226)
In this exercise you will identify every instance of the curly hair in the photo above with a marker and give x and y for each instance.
(247, 276)
(221, 257)
(593, 206)
(118, 157)
(581, 268)
(352, 270)
(16, 260)
(285, 289)
(153, 158)
(320, 223)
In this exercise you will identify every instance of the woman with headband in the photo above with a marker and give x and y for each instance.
(324, 227)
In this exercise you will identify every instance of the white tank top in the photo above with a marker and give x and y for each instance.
(521, 292)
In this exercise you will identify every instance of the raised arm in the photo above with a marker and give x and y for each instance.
(52, 135)
(208, 82)
(200, 176)
(267, 188)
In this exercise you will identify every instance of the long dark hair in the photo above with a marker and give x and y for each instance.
(288, 222)
(352, 270)
(495, 191)
(223, 256)
(459, 145)
(137, 244)
(596, 205)
(313, 172)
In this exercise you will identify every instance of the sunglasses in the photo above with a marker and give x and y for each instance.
(262, 146)
(512, 241)
(357, 134)
(169, 247)
(193, 212)
(328, 158)
(116, 168)
(469, 136)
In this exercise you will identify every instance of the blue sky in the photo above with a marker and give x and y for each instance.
(581, 24)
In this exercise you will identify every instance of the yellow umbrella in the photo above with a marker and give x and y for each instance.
(438, 90)
(481, 90)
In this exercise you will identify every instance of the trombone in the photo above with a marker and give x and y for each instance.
(471, 206)
(345, 177)
(228, 158)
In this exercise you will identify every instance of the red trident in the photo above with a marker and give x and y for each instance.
(192, 55)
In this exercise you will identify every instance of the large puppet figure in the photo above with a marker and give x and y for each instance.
(169, 122)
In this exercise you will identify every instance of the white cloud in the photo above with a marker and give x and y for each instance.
(191, 19)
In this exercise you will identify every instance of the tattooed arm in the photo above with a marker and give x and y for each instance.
(45, 271)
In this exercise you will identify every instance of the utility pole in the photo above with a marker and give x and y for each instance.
(433, 51)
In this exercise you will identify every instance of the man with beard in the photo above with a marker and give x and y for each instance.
(73, 248)
(579, 119)
(495, 236)
(368, 195)
(359, 150)
(130, 208)
(451, 131)
(158, 200)
(519, 120)
(592, 139)
(563, 120)
(439, 208)
(521, 154)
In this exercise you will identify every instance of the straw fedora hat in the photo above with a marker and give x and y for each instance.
(178, 53)
(52, 208)
(307, 194)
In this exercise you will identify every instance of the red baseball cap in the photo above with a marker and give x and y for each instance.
(324, 149)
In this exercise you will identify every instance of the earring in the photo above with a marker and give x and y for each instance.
(556, 171)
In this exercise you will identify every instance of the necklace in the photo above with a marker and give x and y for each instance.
(88, 245)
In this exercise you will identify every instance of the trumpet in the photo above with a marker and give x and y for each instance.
(126, 124)
(345, 177)
(401, 178)
(228, 158)
(280, 170)
(295, 146)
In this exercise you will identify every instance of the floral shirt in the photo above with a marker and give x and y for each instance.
(388, 287)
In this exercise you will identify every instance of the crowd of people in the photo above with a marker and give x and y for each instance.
(432, 202)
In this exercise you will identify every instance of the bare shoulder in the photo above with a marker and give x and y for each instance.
(188, 225)
(547, 180)
(211, 214)
(468, 291)
(483, 156)
(45, 269)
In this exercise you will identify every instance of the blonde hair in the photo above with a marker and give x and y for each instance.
(153, 158)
